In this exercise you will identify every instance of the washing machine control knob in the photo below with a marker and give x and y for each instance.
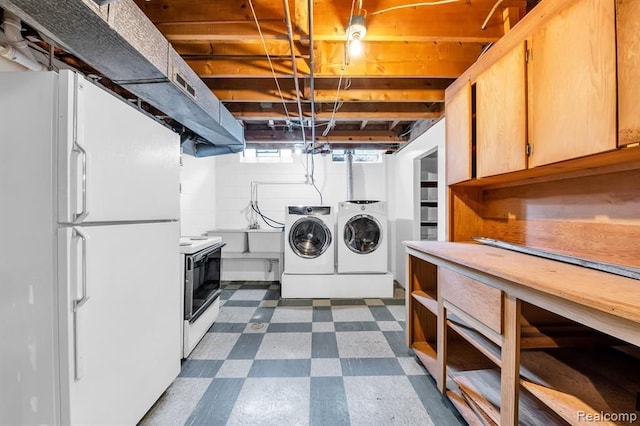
(309, 209)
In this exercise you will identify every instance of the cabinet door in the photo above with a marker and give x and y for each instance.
(458, 135)
(572, 84)
(501, 115)
(628, 32)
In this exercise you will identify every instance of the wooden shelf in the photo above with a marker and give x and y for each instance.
(555, 336)
(429, 184)
(573, 380)
(482, 387)
(465, 409)
(426, 299)
(477, 340)
(570, 283)
(426, 353)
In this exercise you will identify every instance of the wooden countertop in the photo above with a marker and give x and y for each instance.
(605, 292)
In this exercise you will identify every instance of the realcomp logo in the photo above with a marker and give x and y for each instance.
(607, 417)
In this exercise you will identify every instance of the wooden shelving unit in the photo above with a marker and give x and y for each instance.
(537, 160)
(429, 197)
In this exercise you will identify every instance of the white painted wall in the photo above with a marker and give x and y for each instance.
(404, 195)
(198, 195)
(233, 190)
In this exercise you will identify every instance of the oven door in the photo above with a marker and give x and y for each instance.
(202, 281)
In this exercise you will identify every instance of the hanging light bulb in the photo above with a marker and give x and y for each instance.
(355, 47)
(355, 33)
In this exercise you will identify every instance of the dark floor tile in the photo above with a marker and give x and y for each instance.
(371, 367)
(439, 408)
(280, 368)
(217, 402)
(322, 314)
(328, 402)
(226, 294)
(393, 301)
(398, 342)
(381, 313)
(324, 345)
(287, 327)
(272, 295)
(295, 302)
(227, 327)
(200, 367)
(356, 326)
(347, 302)
(262, 315)
(246, 347)
(255, 286)
(242, 303)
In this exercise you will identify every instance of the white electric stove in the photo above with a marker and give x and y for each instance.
(200, 272)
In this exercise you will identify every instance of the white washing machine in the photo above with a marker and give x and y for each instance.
(309, 244)
(361, 237)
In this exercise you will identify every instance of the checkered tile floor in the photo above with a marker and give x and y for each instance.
(333, 362)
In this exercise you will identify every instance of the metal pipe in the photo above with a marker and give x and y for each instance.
(311, 75)
(349, 175)
(287, 15)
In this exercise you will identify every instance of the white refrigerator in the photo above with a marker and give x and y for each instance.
(89, 263)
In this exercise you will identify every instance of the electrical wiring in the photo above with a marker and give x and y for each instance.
(266, 219)
(266, 51)
(405, 6)
(337, 104)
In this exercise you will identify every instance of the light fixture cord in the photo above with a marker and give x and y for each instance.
(266, 51)
(405, 6)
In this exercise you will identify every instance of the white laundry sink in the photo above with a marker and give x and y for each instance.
(236, 239)
(265, 240)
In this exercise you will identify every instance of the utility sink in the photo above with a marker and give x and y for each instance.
(265, 240)
(250, 240)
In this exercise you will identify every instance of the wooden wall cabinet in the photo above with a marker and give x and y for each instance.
(572, 84)
(501, 115)
(628, 45)
(547, 94)
(458, 130)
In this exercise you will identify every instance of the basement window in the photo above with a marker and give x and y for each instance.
(359, 156)
(252, 155)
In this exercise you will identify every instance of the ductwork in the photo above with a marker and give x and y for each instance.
(119, 41)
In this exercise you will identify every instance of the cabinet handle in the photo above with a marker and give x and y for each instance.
(77, 304)
(77, 147)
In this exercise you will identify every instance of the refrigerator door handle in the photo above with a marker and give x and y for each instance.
(77, 147)
(77, 304)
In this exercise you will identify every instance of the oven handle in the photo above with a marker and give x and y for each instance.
(203, 254)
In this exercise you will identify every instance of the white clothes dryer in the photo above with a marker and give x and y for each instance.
(362, 237)
(309, 244)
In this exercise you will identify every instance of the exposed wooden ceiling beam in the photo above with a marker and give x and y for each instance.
(334, 135)
(460, 21)
(387, 111)
(435, 60)
(370, 90)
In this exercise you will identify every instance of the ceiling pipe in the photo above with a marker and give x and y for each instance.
(17, 49)
(287, 15)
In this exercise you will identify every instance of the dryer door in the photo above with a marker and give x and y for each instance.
(309, 237)
(362, 234)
